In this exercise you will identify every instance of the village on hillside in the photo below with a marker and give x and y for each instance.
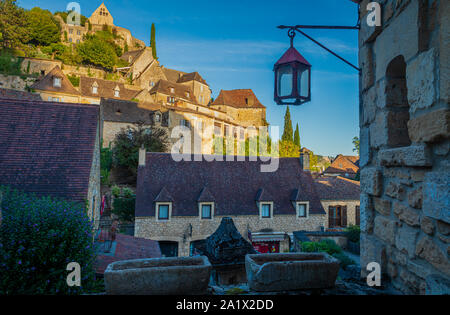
(114, 162)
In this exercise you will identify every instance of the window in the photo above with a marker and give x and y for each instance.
(357, 216)
(217, 129)
(206, 210)
(116, 93)
(201, 88)
(185, 123)
(78, 32)
(94, 90)
(157, 118)
(170, 99)
(70, 40)
(266, 210)
(337, 216)
(172, 90)
(78, 41)
(242, 133)
(188, 95)
(302, 209)
(57, 82)
(70, 31)
(227, 131)
(163, 211)
(152, 83)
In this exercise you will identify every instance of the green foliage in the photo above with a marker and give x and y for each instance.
(10, 65)
(235, 291)
(56, 50)
(330, 247)
(289, 149)
(128, 141)
(104, 176)
(74, 80)
(13, 25)
(287, 133)
(355, 142)
(297, 137)
(116, 191)
(353, 233)
(124, 203)
(127, 192)
(97, 52)
(43, 27)
(38, 238)
(313, 162)
(106, 157)
(153, 41)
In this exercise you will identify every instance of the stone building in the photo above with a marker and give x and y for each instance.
(52, 149)
(405, 141)
(343, 165)
(180, 203)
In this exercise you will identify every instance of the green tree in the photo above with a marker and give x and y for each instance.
(127, 143)
(13, 25)
(97, 52)
(313, 162)
(43, 28)
(356, 144)
(153, 41)
(287, 133)
(288, 149)
(297, 137)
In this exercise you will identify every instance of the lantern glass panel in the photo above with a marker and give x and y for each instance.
(285, 76)
(303, 82)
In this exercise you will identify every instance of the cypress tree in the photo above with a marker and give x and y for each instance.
(287, 133)
(297, 137)
(153, 41)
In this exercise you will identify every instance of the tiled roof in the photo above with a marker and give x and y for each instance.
(234, 185)
(47, 148)
(124, 111)
(47, 83)
(128, 248)
(179, 90)
(193, 76)
(344, 165)
(105, 89)
(238, 98)
(19, 95)
(337, 188)
(173, 75)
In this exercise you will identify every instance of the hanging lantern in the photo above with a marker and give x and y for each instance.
(292, 77)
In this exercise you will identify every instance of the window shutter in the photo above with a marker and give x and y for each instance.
(330, 217)
(344, 216)
(358, 216)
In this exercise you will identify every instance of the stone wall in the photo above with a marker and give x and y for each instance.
(94, 194)
(405, 141)
(14, 82)
(178, 229)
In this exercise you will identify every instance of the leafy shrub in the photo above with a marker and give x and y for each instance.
(74, 80)
(104, 176)
(9, 64)
(38, 238)
(124, 208)
(353, 233)
(127, 192)
(344, 260)
(115, 190)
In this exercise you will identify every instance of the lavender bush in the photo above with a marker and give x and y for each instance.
(38, 238)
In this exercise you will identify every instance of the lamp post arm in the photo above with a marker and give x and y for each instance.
(298, 27)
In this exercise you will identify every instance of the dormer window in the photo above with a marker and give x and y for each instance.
(157, 118)
(172, 90)
(188, 95)
(163, 211)
(302, 209)
(95, 88)
(266, 210)
(117, 92)
(206, 210)
(57, 82)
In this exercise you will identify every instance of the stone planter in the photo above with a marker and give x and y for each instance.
(160, 276)
(292, 271)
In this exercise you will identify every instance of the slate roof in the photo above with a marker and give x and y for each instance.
(237, 98)
(46, 83)
(234, 185)
(128, 248)
(180, 90)
(337, 188)
(19, 95)
(193, 76)
(47, 148)
(173, 75)
(106, 89)
(124, 111)
(344, 165)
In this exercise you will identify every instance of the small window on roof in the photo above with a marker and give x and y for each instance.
(94, 90)
(172, 90)
(56, 82)
(163, 210)
(206, 210)
(266, 210)
(302, 209)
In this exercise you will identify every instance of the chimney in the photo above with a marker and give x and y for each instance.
(142, 154)
(304, 161)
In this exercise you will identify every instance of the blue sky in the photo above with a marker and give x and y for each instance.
(234, 44)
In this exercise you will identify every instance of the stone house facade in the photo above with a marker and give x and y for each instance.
(405, 141)
(179, 203)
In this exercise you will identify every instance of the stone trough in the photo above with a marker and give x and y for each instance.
(291, 271)
(158, 276)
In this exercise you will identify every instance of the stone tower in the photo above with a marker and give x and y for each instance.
(101, 16)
